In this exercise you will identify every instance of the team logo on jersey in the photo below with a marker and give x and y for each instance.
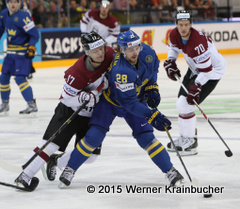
(12, 32)
(124, 87)
(149, 58)
(16, 19)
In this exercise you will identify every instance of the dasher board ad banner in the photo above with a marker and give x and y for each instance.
(225, 35)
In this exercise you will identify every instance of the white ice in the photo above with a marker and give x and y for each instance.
(122, 162)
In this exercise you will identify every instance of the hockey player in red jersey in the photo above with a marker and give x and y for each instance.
(81, 83)
(206, 66)
(100, 21)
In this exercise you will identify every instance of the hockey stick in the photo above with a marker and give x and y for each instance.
(228, 152)
(45, 55)
(193, 181)
(13, 168)
(33, 185)
(16, 169)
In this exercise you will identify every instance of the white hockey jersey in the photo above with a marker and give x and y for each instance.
(108, 28)
(200, 54)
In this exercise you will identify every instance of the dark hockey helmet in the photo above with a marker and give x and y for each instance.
(91, 41)
(128, 39)
(183, 15)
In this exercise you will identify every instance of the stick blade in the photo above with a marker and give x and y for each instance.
(228, 153)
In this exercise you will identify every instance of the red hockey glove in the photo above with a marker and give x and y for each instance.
(30, 52)
(158, 120)
(171, 69)
(91, 97)
(193, 93)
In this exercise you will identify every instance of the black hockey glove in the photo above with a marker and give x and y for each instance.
(30, 52)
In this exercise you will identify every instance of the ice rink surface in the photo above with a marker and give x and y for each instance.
(123, 164)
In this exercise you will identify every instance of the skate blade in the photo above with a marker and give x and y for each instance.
(43, 169)
(188, 153)
(4, 114)
(61, 185)
(179, 183)
(29, 115)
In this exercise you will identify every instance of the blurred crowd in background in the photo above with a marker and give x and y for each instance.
(68, 13)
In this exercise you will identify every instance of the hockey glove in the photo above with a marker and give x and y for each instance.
(152, 95)
(158, 120)
(193, 93)
(91, 97)
(30, 52)
(171, 69)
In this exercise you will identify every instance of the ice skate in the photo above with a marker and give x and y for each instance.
(175, 178)
(176, 142)
(4, 108)
(66, 177)
(26, 182)
(188, 146)
(50, 172)
(185, 145)
(31, 108)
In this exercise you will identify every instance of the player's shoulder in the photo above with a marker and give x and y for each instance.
(119, 64)
(22, 14)
(78, 68)
(174, 33)
(197, 37)
(3, 13)
(147, 52)
(94, 13)
(112, 21)
(112, 18)
(110, 52)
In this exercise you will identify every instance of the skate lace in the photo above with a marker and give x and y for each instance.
(68, 173)
(24, 177)
(172, 174)
(53, 171)
(186, 142)
(177, 141)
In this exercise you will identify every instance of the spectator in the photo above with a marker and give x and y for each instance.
(100, 21)
(82, 8)
(40, 16)
(133, 4)
(156, 4)
(209, 12)
(164, 14)
(173, 9)
(52, 15)
(93, 5)
(120, 4)
(186, 4)
(198, 12)
(75, 16)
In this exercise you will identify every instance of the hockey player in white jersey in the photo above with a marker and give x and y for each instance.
(100, 21)
(206, 66)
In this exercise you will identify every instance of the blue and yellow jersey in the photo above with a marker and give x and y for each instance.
(127, 82)
(20, 29)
